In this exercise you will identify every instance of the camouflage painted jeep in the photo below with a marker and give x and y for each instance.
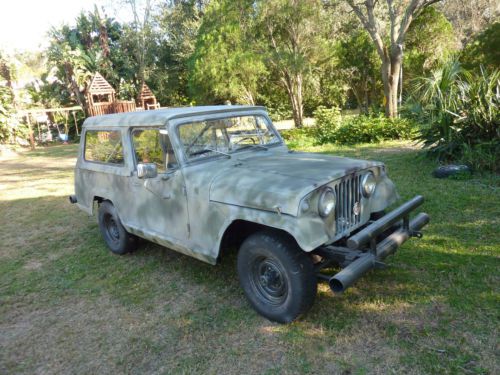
(206, 180)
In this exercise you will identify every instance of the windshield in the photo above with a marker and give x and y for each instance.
(225, 136)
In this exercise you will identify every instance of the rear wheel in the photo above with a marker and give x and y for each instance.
(118, 240)
(277, 277)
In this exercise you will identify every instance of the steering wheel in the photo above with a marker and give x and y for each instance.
(200, 152)
(242, 139)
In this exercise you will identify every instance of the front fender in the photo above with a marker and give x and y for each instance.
(384, 195)
(308, 232)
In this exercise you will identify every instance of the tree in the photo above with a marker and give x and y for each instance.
(294, 31)
(142, 30)
(481, 51)
(470, 17)
(430, 41)
(95, 43)
(400, 14)
(6, 98)
(225, 63)
(358, 62)
(178, 22)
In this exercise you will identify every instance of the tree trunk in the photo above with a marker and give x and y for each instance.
(294, 90)
(391, 67)
(68, 68)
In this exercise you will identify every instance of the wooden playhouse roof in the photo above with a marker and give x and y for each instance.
(99, 86)
(145, 92)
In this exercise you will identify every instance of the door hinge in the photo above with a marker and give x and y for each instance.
(189, 229)
(184, 190)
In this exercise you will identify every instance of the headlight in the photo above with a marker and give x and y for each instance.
(326, 202)
(368, 184)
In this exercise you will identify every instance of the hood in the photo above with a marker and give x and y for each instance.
(279, 181)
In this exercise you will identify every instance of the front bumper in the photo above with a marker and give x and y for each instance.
(365, 250)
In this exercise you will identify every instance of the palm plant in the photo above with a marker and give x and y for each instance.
(459, 112)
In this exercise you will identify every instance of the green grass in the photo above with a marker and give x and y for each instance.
(67, 305)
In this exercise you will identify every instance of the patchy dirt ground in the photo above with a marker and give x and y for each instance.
(69, 306)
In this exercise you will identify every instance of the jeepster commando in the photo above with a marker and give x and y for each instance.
(206, 180)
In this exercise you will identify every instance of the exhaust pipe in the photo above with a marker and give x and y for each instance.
(72, 199)
(349, 275)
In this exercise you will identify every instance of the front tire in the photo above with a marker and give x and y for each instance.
(277, 276)
(118, 240)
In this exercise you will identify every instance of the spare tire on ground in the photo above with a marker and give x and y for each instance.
(445, 171)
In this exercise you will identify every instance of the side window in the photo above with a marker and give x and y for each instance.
(151, 146)
(104, 146)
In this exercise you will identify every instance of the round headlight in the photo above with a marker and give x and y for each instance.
(326, 202)
(368, 184)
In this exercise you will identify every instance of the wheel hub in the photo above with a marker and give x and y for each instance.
(112, 229)
(269, 280)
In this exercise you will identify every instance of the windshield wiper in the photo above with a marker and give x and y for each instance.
(206, 149)
(262, 147)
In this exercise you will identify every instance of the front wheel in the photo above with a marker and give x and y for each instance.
(277, 277)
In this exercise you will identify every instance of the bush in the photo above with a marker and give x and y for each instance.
(298, 137)
(327, 121)
(331, 127)
(279, 112)
(460, 116)
(5, 113)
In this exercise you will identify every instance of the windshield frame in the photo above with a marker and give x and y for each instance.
(176, 123)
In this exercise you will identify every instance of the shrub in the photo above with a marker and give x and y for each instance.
(279, 112)
(459, 113)
(331, 127)
(5, 112)
(298, 137)
(328, 121)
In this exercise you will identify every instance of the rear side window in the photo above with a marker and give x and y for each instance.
(104, 146)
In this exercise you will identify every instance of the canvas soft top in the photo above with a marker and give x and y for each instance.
(159, 117)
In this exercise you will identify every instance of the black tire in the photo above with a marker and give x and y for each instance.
(277, 277)
(118, 240)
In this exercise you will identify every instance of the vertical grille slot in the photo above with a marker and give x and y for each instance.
(348, 193)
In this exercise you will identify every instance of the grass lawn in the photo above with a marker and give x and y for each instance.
(67, 305)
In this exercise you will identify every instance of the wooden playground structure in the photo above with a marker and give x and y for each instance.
(100, 99)
(146, 98)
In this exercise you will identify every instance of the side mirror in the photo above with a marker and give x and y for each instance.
(147, 170)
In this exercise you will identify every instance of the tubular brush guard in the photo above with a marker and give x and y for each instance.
(364, 253)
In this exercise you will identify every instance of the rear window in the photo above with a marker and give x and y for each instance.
(104, 146)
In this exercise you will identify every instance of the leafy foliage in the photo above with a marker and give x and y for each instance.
(483, 49)
(360, 65)
(331, 127)
(328, 121)
(225, 64)
(459, 113)
(429, 42)
(5, 112)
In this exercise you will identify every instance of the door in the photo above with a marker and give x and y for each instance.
(157, 206)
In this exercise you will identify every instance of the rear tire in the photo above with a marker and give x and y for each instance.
(277, 277)
(118, 240)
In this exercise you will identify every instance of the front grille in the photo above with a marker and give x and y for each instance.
(348, 193)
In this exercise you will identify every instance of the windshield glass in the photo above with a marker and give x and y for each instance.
(225, 136)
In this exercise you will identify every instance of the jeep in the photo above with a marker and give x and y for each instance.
(206, 180)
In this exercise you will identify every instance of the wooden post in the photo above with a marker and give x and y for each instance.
(32, 138)
(76, 123)
(39, 132)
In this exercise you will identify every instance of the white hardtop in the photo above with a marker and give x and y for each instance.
(160, 117)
